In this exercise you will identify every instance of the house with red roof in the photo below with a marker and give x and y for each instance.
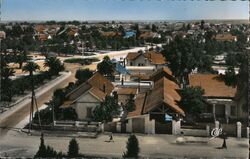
(221, 98)
(88, 95)
(154, 105)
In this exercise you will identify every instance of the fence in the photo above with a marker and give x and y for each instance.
(77, 126)
(235, 130)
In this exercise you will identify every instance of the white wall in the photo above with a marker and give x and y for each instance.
(85, 101)
(139, 60)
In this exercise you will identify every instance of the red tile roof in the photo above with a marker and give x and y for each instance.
(155, 57)
(152, 56)
(163, 93)
(98, 81)
(163, 72)
(133, 55)
(95, 85)
(213, 85)
(225, 37)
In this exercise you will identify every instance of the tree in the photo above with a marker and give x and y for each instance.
(107, 110)
(132, 147)
(42, 148)
(154, 28)
(7, 89)
(240, 80)
(230, 77)
(21, 84)
(83, 75)
(46, 151)
(6, 72)
(21, 58)
(202, 24)
(122, 30)
(192, 100)
(31, 67)
(188, 26)
(184, 55)
(106, 67)
(73, 149)
(129, 106)
(54, 64)
(137, 30)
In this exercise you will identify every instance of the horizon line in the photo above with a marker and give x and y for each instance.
(124, 20)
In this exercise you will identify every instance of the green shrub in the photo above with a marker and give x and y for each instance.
(73, 150)
(81, 61)
(132, 148)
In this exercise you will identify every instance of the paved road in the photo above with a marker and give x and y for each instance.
(153, 146)
(11, 120)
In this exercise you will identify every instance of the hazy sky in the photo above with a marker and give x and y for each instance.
(123, 9)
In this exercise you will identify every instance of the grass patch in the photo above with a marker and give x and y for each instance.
(81, 61)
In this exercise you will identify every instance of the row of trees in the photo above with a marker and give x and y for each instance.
(20, 85)
(73, 149)
(47, 151)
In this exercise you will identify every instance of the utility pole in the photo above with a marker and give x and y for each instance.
(0, 43)
(248, 87)
(53, 111)
(33, 102)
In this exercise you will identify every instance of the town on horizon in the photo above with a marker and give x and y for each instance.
(124, 88)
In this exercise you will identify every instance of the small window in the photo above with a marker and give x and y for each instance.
(131, 63)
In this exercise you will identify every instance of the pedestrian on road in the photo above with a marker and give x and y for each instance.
(224, 145)
(111, 138)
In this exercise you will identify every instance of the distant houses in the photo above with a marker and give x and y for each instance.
(225, 37)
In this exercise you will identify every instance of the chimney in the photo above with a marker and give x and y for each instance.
(139, 81)
(122, 81)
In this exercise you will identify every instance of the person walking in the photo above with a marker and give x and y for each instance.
(111, 138)
(224, 145)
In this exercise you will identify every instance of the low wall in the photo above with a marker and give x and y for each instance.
(140, 124)
(194, 132)
(110, 127)
(178, 130)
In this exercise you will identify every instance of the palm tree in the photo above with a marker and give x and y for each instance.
(54, 64)
(32, 67)
(6, 82)
(6, 72)
(21, 58)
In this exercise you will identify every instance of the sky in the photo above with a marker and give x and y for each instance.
(25, 10)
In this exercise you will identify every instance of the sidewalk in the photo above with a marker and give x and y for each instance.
(39, 91)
